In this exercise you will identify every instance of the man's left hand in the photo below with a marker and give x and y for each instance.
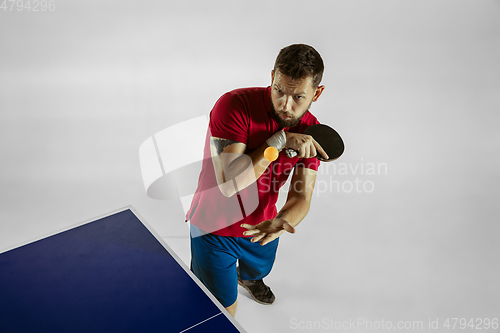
(268, 230)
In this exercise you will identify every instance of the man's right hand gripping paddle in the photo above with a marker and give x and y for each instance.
(325, 141)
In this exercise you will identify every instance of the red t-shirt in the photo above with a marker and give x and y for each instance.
(244, 115)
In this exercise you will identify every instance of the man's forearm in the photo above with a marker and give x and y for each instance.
(244, 173)
(295, 210)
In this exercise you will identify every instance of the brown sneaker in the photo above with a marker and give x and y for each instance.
(258, 290)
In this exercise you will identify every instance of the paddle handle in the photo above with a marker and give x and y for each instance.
(290, 152)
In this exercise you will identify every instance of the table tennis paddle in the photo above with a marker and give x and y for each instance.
(328, 139)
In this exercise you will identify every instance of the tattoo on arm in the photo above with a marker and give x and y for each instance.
(220, 144)
(281, 213)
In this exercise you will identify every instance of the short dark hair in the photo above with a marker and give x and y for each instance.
(300, 61)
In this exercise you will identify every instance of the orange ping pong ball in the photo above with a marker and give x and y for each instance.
(271, 154)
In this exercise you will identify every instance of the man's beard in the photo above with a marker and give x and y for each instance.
(286, 123)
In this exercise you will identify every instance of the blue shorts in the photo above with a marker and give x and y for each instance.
(213, 261)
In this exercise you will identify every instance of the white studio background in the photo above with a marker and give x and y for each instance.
(403, 227)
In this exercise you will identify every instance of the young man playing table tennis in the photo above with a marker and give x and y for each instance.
(238, 173)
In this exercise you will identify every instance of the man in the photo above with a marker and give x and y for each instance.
(233, 213)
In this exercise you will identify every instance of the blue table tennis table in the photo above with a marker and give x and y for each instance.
(110, 274)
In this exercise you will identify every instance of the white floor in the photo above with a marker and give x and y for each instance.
(404, 228)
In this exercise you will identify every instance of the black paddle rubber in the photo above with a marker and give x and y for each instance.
(328, 139)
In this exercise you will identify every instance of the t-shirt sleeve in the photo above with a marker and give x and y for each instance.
(229, 119)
